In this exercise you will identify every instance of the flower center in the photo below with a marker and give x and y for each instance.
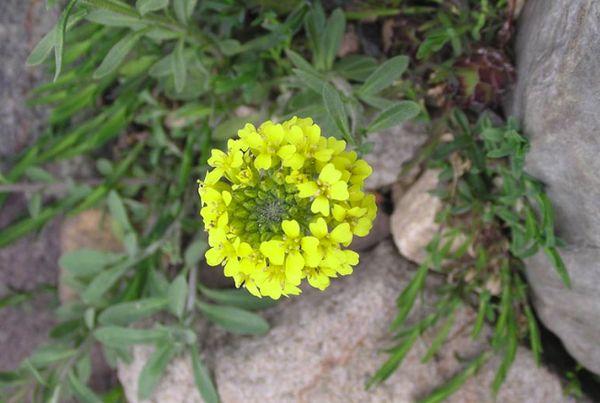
(256, 212)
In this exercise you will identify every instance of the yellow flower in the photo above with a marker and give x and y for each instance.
(282, 204)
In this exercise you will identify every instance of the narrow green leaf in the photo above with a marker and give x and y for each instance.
(125, 313)
(408, 296)
(441, 336)
(202, 378)
(509, 355)
(154, 369)
(394, 115)
(559, 265)
(116, 336)
(336, 110)
(234, 320)
(384, 75)
(394, 361)
(534, 335)
(147, 6)
(116, 55)
(332, 38)
(179, 68)
(177, 294)
(240, 298)
(484, 300)
(443, 392)
(84, 393)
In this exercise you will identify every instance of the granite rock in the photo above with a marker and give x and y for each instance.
(557, 99)
(324, 346)
(392, 148)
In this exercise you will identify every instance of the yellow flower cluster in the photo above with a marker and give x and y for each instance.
(282, 204)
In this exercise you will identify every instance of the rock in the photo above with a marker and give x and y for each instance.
(380, 231)
(22, 25)
(176, 386)
(88, 230)
(557, 100)
(392, 148)
(324, 346)
(413, 221)
(29, 262)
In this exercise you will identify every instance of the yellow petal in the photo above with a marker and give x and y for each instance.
(312, 254)
(319, 280)
(294, 263)
(216, 157)
(338, 212)
(214, 256)
(323, 155)
(329, 174)
(339, 191)
(291, 228)
(342, 234)
(254, 140)
(274, 133)
(307, 189)
(318, 228)
(263, 161)
(286, 152)
(320, 205)
(273, 250)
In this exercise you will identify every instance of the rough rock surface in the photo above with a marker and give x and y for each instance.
(413, 221)
(31, 261)
(391, 149)
(323, 347)
(557, 99)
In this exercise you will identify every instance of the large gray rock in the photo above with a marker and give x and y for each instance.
(557, 99)
(392, 148)
(324, 346)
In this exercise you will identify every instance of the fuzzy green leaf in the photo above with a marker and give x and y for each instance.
(179, 68)
(87, 262)
(332, 37)
(125, 313)
(177, 294)
(83, 393)
(202, 378)
(234, 320)
(336, 110)
(384, 76)
(147, 6)
(117, 54)
(42, 50)
(116, 336)
(394, 115)
(239, 298)
(154, 369)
